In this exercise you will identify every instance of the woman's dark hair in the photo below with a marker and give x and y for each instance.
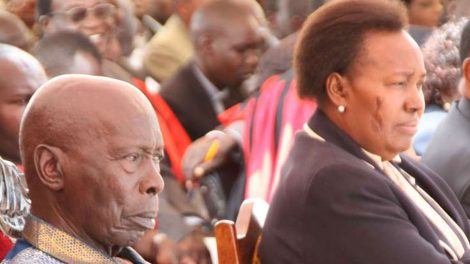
(332, 38)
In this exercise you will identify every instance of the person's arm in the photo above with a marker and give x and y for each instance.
(208, 154)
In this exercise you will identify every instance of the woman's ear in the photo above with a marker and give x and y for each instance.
(47, 160)
(336, 89)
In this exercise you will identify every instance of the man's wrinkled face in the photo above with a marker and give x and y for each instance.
(235, 53)
(19, 79)
(96, 19)
(115, 176)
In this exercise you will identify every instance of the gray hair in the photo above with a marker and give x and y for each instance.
(442, 61)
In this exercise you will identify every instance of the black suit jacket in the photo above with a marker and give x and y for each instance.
(448, 152)
(190, 102)
(194, 109)
(332, 207)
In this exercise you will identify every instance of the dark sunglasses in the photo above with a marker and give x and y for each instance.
(78, 14)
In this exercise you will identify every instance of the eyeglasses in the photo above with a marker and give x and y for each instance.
(78, 14)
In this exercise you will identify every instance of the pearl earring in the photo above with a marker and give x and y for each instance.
(341, 108)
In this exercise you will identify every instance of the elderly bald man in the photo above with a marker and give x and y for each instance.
(91, 148)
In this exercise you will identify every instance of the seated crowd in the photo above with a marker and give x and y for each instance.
(128, 128)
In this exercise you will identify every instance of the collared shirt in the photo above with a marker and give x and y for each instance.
(216, 95)
(453, 239)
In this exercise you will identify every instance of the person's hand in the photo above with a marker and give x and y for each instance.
(192, 249)
(207, 154)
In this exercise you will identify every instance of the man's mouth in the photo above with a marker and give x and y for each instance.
(144, 221)
(97, 38)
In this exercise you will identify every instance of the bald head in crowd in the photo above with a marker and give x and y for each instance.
(67, 52)
(91, 148)
(227, 42)
(21, 74)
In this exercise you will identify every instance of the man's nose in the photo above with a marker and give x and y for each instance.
(252, 58)
(152, 182)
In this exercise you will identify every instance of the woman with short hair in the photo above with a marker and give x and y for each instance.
(347, 195)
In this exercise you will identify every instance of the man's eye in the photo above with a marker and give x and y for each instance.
(158, 157)
(22, 101)
(133, 157)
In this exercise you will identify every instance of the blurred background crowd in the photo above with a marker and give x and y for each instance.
(219, 76)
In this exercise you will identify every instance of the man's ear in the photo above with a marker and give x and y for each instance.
(47, 160)
(44, 23)
(336, 89)
(204, 44)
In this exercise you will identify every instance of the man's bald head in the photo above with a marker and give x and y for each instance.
(257, 10)
(74, 108)
(92, 146)
(217, 16)
(21, 74)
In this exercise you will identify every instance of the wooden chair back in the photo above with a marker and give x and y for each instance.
(237, 243)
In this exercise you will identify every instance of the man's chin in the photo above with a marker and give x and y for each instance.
(126, 239)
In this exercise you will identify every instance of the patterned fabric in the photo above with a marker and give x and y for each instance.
(49, 244)
(32, 255)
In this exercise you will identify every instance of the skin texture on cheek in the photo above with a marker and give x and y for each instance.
(378, 124)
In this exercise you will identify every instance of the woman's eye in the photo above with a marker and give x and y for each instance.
(399, 84)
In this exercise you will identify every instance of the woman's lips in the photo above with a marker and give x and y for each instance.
(409, 127)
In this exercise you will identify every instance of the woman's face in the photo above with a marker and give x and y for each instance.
(383, 93)
(425, 12)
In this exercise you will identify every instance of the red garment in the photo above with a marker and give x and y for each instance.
(5, 245)
(174, 135)
(271, 121)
